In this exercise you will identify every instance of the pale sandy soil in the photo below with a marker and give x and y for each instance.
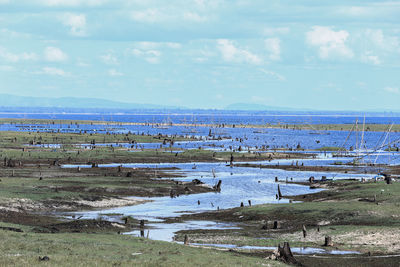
(21, 204)
(362, 240)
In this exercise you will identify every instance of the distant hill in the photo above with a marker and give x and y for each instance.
(7, 100)
(258, 107)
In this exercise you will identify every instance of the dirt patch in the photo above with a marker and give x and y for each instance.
(385, 238)
(79, 226)
(111, 202)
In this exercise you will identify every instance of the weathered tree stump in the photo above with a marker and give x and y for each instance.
(186, 240)
(249, 202)
(328, 241)
(277, 225)
(285, 254)
(241, 204)
(279, 192)
(141, 228)
(304, 231)
(217, 187)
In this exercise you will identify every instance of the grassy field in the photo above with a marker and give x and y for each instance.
(16, 138)
(358, 216)
(109, 249)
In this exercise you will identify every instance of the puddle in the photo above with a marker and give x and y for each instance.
(166, 232)
(296, 250)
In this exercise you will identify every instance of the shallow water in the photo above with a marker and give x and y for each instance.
(239, 184)
(166, 232)
(297, 250)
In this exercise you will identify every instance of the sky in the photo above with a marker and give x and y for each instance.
(329, 55)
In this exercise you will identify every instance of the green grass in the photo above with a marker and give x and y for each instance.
(15, 138)
(68, 249)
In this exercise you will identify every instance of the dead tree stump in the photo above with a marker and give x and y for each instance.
(186, 240)
(277, 225)
(279, 192)
(217, 187)
(304, 231)
(328, 241)
(285, 254)
(141, 228)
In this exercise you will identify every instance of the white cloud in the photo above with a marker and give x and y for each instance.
(388, 43)
(82, 63)
(192, 16)
(155, 45)
(275, 75)
(331, 44)
(369, 57)
(393, 90)
(54, 71)
(54, 54)
(355, 11)
(274, 31)
(76, 22)
(273, 46)
(153, 60)
(11, 57)
(231, 53)
(150, 15)
(115, 73)
(72, 3)
(138, 52)
(173, 45)
(6, 68)
(152, 56)
(167, 14)
(109, 59)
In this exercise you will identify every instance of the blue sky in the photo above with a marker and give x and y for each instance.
(332, 55)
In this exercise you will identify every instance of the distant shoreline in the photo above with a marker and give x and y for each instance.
(314, 128)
